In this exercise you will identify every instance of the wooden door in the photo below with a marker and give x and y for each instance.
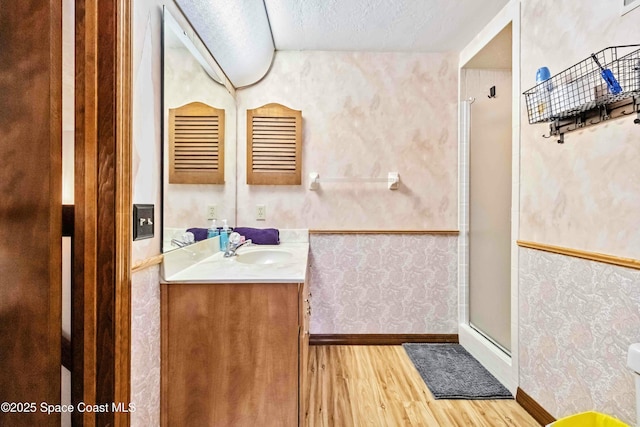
(30, 210)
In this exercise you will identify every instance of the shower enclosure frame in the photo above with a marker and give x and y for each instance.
(503, 367)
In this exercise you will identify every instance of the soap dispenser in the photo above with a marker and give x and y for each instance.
(213, 230)
(224, 235)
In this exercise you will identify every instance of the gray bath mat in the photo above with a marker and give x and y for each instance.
(451, 372)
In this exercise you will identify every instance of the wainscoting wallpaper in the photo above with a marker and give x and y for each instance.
(384, 284)
(577, 319)
(145, 347)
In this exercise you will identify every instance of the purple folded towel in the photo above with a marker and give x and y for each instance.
(260, 236)
(198, 233)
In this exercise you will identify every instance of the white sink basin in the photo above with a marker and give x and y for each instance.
(263, 257)
(268, 256)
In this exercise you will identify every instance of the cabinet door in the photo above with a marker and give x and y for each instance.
(305, 312)
(231, 355)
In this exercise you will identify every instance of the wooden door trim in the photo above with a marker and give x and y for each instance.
(579, 253)
(101, 310)
(83, 311)
(124, 101)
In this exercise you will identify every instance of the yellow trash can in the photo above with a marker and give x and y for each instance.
(588, 419)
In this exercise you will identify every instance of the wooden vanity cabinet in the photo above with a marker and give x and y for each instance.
(234, 354)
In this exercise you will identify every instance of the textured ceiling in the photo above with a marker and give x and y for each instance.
(239, 33)
(236, 33)
(378, 25)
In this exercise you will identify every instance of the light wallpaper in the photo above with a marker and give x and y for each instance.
(145, 289)
(145, 158)
(145, 347)
(577, 320)
(584, 193)
(384, 284)
(364, 115)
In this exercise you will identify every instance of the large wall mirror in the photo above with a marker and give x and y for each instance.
(197, 108)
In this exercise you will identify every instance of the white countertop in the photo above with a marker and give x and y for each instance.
(203, 263)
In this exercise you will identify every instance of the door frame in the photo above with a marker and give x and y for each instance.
(101, 306)
(503, 367)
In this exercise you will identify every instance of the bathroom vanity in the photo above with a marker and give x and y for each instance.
(235, 335)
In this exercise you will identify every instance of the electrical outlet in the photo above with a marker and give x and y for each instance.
(261, 212)
(212, 212)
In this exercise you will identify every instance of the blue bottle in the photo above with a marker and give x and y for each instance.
(542, 75)
(543, 95)
(213, 230)
(224, 235)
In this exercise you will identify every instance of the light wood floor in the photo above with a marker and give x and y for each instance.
(379, 386)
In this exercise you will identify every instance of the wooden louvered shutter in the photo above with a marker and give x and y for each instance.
(274, 145)
(196, 144)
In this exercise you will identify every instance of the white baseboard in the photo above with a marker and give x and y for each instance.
(491, 357)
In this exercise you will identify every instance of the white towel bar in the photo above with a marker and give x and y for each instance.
(392, 180)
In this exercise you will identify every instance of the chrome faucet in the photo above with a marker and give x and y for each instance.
(185, 240)
(179, 243)
(234, 244)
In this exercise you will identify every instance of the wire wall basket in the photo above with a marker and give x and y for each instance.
(606, 77)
